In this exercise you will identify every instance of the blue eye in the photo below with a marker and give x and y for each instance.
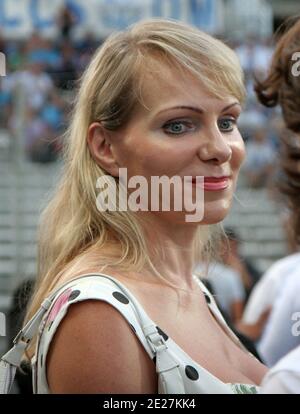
(175, 127)
(226, 124)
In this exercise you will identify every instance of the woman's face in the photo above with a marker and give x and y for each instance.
(183, 131)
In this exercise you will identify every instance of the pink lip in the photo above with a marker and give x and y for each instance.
(213, 183)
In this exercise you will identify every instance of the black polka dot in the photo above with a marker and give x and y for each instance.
(121, 298)
(162, 333)
(41, 360)
(191, 373)
(74, 295)
(207, 298)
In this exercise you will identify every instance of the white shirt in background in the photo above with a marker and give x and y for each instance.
(282, 333)
(284, 377)
(265, 292)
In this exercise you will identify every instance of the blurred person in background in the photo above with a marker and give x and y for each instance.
(282, 332)
(65, 72)
(5, 103)
(255, 55)
(86, 48)
(226, 283)
(259, 164)
(282, 86)
(54, 112)
(42, 50)
(16, 55)
(88, 43)
(39, 138)
(66, 20)
(44, 126)
(251, 120)
(34, 82)
(269, 287)
(246, 269)
(45, 111)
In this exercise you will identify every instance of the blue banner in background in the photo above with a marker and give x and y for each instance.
(19, 18)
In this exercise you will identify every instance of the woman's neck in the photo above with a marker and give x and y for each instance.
(171, 251)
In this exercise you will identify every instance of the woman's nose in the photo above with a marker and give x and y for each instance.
(215, 148)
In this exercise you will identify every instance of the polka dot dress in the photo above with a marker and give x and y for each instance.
(196, 379)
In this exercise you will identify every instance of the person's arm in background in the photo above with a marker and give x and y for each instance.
(239, 266)
(254, 330)
(259, 306)
(237, 308)
(238, 297)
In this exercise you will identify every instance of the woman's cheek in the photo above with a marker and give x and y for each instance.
(159, 159)
(239, 153)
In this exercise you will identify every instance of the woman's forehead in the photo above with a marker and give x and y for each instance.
(166, 88)
(165, 79)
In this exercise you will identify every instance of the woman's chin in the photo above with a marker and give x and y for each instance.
(214, 217)
(213, 213)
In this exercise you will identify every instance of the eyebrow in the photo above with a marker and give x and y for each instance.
(195, 109)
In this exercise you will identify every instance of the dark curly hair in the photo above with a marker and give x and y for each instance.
(282, 87)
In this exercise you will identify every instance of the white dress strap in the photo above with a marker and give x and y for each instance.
(169, 378)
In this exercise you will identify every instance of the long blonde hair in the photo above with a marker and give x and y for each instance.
(71, 225)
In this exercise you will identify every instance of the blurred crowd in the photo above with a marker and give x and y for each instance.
(261, 127)
(44, 73)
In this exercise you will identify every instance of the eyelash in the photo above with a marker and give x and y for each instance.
(232, 120)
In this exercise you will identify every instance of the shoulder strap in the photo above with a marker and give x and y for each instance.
(170, 380)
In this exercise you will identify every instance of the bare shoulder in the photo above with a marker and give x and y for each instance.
(95, 351)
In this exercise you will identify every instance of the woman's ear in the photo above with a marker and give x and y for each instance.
(100, 145)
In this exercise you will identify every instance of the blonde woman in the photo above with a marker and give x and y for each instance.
(161, 98)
